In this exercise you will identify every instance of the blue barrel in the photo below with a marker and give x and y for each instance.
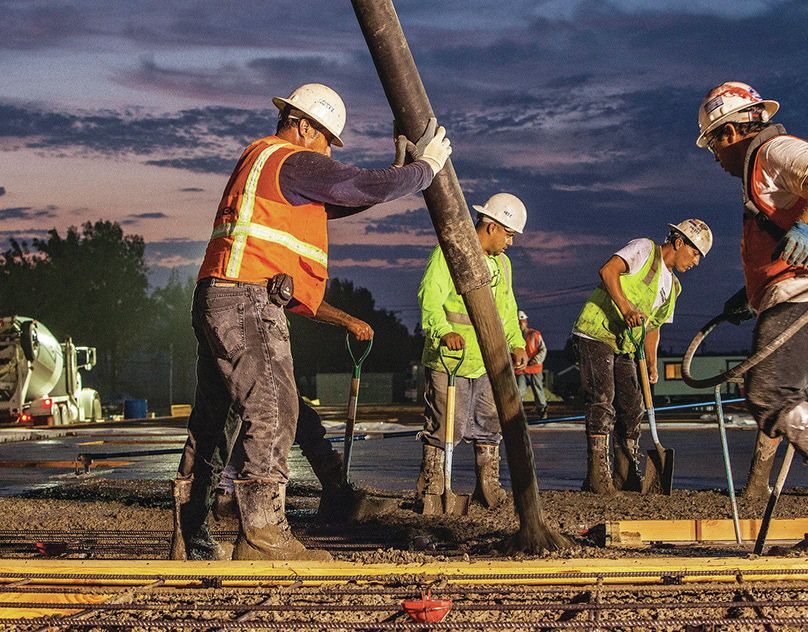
(135, 409)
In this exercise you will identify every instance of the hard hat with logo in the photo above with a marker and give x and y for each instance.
(521, 315)
(319, 103)
(506, 209)
(730, 103)
(697, 232)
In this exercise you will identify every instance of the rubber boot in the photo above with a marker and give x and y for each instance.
(224, 505)
(429, 488)
(486, 466)
(627, 475)
(264, 533)
(598, 469)
(338, 502)
(191, 538)
(757, 483)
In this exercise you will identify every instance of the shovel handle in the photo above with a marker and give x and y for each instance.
(353, 401)
(775, 495)
(357, 363)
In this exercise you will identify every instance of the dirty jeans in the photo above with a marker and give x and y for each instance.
(244, 360)
(310, 436)
(536, 383)
(612, 397)
(476, 417)
(775, 386)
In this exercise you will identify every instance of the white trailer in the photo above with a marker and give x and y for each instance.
(40, 382)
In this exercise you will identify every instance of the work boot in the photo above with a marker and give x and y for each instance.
(486, 466)
(429, 488)
(627, 476)
(338, 502)
(598, 469)
(191, 538)
(264, 533)
(757, 483)
(224, 505)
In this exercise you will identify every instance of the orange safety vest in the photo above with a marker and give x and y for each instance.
(532, 340)
(757, 245)
(257, 233)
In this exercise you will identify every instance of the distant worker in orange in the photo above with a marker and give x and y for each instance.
(532, 375)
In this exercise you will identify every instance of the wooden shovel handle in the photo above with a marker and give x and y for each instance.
(646, 383)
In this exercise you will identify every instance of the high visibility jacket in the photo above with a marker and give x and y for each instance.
(762, 224)
(535, 348)
(601, 319)
(443, 311)
(257, 233)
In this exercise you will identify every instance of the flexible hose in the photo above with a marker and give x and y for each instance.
(734, 374)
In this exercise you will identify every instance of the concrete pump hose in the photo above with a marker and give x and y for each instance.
(734, 374)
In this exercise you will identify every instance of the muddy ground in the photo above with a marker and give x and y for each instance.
(99, 505)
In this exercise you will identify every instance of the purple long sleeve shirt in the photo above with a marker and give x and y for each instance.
(307, 177)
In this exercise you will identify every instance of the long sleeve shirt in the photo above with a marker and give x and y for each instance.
(311, 177)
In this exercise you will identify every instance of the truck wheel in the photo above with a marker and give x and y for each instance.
(29, 341)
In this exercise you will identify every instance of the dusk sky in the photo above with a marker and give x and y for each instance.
(136, 112)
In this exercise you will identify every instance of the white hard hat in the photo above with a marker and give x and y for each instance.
(521, 315)
(319, 103)
(697, 232)
(506, 209)
(729, 103)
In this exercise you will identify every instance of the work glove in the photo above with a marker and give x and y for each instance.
(793, 247)
(406, 150)
(436, 152)
(738, 309)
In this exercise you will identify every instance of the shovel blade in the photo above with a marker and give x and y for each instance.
(454, 504)
(659, 472)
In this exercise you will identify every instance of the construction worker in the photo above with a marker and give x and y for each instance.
(734, 124)
(267, 253)
(338, 502)
(531, 375)
(446, 322)
(638, 285)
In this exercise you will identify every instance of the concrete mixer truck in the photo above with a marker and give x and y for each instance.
(40, 382)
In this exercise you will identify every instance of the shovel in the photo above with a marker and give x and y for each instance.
(452, 503)
(352, 403)
(719, 411)
(659, 471)
(775, 495)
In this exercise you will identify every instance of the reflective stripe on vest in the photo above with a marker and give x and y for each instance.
(242, 230)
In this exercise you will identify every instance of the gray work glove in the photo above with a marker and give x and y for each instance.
(434, 151)
(738, 309)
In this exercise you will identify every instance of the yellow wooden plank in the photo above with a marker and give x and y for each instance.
(709, 530)
(564, 572)
(7, 611)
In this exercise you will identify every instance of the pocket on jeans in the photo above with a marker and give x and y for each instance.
(274, 319)
(226, 325)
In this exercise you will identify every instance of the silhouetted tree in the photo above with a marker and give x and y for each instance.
(90, 285)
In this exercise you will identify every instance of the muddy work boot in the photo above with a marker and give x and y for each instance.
(486, 466)
(627, 475)
(191, 538)
(598, 469)
(429, 488)
(757, 484)
(264, 533)
(224, 505)
(339, 503)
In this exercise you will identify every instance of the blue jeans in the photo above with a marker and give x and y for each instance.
(476, 417)
(536, 383)
(244, 360)
(612, 397)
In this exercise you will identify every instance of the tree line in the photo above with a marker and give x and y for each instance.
(92, 284)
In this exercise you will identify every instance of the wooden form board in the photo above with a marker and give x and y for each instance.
(636, 532)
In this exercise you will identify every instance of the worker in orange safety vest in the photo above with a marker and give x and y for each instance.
(268, 252)
(531, 375)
